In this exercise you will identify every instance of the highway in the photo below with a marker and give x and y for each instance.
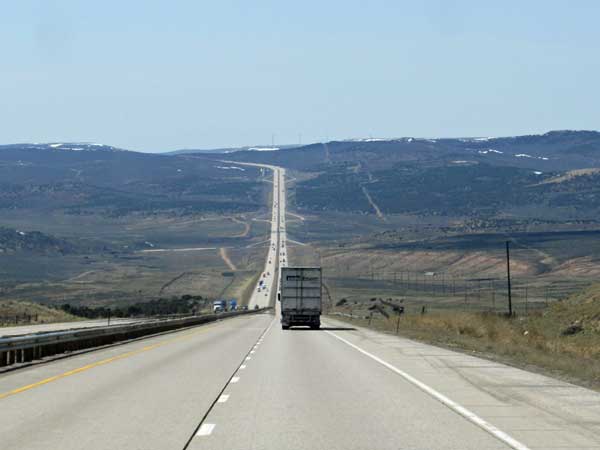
(48, 327)
(244, 383)
(265, 289)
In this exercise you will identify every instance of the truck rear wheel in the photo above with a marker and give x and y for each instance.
(285, 327)
(315, 326)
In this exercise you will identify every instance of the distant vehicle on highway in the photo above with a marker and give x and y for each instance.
(219, 306)
(300, 296)
(233, 304)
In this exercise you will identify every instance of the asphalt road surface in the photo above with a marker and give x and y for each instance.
(243, 383)
(60, 326)
(266, 287)
(148, 394)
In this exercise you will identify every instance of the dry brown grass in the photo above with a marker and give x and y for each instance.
(536, 342)
(569, 175)
(44, 314)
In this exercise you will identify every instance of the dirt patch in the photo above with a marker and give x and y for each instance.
(449, 262)
(225, 258)
(569, 175)
(585, 266)
(246, 227)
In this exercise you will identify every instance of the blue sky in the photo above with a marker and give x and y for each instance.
(153, 76)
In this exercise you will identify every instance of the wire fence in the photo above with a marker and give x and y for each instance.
(17, 319)
(426, 291)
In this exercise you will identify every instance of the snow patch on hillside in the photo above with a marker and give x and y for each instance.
(230, 168)
(489, 150)
(72, 146)
(263, 149)
(525, 155)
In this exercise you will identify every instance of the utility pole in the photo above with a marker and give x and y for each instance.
(510, 311)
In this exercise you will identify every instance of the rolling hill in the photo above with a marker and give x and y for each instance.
(89, 178)
(465, 177)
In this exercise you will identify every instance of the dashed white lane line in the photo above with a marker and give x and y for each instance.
(206, 429)
(466, 413)
(252, 351)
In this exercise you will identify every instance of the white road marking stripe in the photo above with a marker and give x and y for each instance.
(243, 366)
(467, 414)
(252, 351)
(205, 429)
(248, 358)
(223, 398)
(235, 379)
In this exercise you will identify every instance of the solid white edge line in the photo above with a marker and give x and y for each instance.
(223, 398)
(467, 414)
(206, 429)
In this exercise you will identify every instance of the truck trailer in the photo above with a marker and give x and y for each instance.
(300, 296)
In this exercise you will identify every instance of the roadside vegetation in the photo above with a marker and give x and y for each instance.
(14, 313)
(562, 340)
(186, 304)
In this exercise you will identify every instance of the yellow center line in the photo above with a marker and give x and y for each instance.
(103, 362)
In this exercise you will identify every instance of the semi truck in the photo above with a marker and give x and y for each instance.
(300, 297)
(219, 306)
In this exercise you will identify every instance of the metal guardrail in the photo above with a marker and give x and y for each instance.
(26, 348)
